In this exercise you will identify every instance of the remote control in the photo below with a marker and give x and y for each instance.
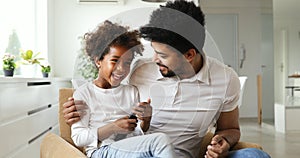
(132, 116)
(122, 136)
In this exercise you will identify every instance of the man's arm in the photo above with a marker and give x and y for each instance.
(228, 126)
(227, 134)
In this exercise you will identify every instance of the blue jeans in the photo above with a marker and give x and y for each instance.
(248, 153)
(146, 146)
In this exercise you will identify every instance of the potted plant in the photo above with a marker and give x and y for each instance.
(9, 64)
(29, 58)
(46, 69)
(29, 63)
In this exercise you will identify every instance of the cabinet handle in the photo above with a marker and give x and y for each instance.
(38, 83)
(41, 134)
(38, 109)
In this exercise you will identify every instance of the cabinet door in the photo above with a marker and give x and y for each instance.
(25, 131)
(19, 98)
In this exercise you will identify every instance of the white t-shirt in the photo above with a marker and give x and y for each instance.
(184, 109)
(105, 106)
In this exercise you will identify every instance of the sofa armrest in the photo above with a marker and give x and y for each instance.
(53, 146)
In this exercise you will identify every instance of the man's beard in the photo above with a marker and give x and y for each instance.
(169, 73)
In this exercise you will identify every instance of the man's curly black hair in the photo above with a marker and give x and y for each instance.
(178, 15)
(108, 34)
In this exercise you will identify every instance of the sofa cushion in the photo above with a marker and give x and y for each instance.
(54, 146)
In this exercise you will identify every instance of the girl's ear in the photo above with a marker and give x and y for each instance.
(97, 62)
(190, 54)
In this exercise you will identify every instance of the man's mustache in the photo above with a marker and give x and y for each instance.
(161, 65)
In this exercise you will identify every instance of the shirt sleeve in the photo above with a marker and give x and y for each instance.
(81, 133)
(138, 130)
(232, 92)
(136, 95)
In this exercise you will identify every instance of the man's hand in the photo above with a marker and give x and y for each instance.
(144, 113)
(143, 110)
(73, 110)
(219, 148)
(227, 134)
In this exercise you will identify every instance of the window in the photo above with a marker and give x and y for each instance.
(23, 26)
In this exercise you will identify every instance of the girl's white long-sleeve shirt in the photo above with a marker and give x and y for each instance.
(104, 107)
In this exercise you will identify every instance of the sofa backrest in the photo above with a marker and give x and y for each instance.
(64, 128)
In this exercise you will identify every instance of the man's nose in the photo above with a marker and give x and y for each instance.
(155, 58)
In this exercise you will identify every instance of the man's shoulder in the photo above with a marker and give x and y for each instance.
(221, 72)
(211, 61)
(214, 63)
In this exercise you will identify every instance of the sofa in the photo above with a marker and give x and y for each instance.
(62, 146)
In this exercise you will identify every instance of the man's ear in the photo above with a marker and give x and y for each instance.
(190, 54)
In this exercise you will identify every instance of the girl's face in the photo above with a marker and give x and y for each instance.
(114, 67)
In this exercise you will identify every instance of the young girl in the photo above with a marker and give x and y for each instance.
(106, 122)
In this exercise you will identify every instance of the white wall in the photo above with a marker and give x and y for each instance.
(286, 44)
(68, 20)
(249, 33)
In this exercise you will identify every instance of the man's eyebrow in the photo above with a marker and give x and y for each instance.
(157, 52)
(115, 56)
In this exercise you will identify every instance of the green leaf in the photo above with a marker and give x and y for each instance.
(36, 55)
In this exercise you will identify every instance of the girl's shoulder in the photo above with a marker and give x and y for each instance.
(83, 90)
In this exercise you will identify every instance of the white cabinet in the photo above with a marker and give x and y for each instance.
(28, 110)
(287, 118)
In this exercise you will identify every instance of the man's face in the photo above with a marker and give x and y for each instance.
(168, 59)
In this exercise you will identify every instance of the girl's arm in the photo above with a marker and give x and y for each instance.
(81, 133)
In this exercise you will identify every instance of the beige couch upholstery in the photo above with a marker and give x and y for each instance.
(54, 146)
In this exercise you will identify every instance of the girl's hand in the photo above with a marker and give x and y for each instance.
(124, 125)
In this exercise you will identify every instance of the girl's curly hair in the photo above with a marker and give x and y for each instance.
(108, 34)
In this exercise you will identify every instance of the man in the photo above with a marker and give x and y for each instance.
(189, 91)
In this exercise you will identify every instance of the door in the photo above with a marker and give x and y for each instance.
(267, 69)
